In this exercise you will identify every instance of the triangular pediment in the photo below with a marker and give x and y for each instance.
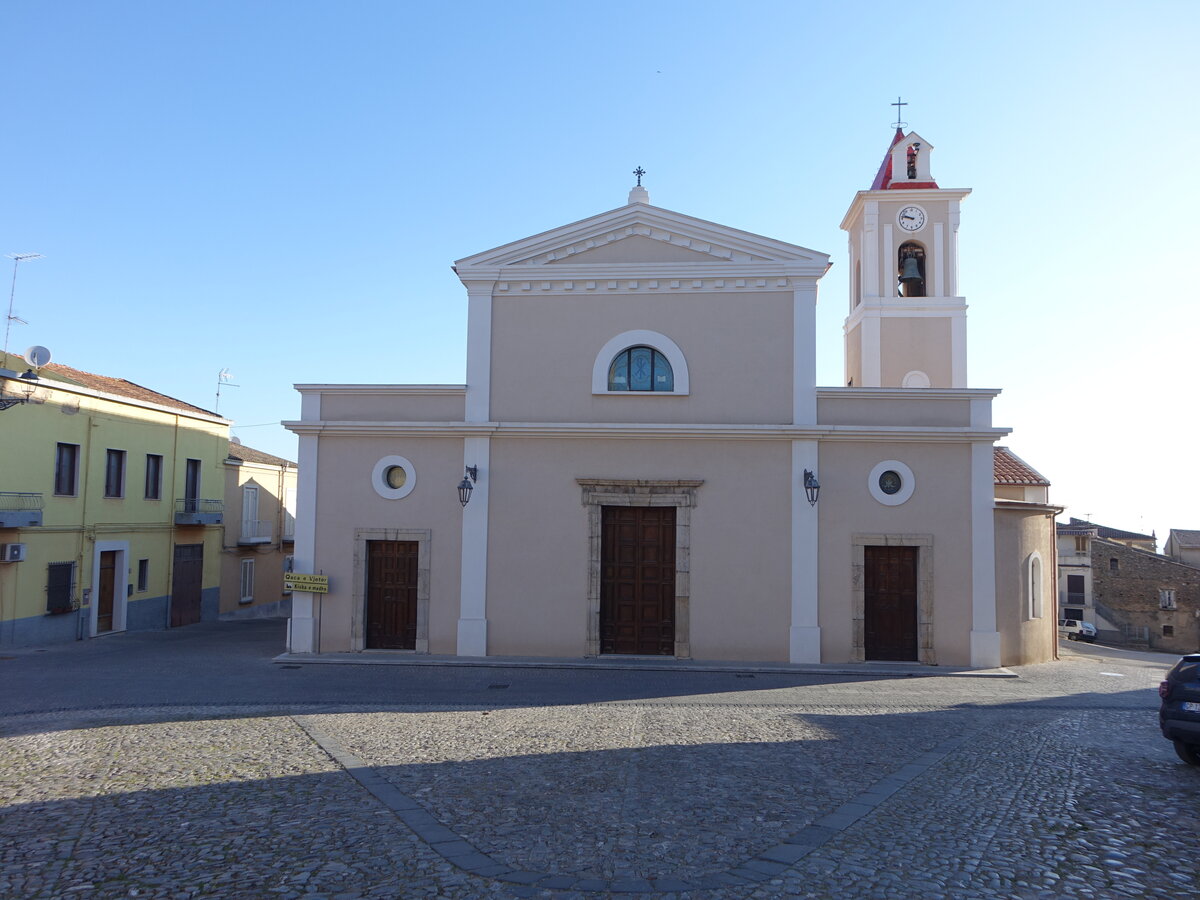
(635, 248)
(641, 235)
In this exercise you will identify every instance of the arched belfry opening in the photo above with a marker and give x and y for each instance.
(913, 155)
(910, 269)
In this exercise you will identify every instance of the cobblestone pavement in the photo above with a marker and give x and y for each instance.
(496, 783)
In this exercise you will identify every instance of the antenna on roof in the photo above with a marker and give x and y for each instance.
(17, 259)
(223, 380)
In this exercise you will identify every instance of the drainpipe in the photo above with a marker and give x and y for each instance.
(171, 525)
(81, 626)
(1054, 544)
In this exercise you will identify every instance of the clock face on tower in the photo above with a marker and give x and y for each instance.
(911, 218)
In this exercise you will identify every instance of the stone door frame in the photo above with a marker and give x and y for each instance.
(680, 493)
(858, 587)
(358, 618)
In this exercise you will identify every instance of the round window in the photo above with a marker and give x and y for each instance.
(393, 478)
(890, 482)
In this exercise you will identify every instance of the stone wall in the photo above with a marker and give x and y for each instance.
(1129, 591)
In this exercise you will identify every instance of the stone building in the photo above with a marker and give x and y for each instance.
(1145, 597)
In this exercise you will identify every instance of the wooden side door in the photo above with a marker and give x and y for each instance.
(391, 595)
(637, 580)
(890, 614)
(105, 599)
(187, 581)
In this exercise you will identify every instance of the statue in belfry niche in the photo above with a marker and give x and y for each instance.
(913, 150)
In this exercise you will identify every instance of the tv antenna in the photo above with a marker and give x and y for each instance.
(17, 259)
(223, 380)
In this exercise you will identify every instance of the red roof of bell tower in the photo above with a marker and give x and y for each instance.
(883, 178)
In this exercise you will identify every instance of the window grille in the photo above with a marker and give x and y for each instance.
(60, 587)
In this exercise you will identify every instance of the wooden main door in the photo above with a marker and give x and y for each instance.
(637, 580)
(105, 598)
(392, 595)
(890, 611)
(187, 582)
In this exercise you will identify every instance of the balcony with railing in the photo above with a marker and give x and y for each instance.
(20, 510)
(289, 526)
(194, 511)
(255, 531)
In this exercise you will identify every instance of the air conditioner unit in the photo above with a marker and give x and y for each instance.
(12, 552)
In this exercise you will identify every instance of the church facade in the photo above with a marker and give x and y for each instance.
(641, 462)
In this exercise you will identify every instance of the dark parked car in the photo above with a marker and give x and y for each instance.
(1179, 715)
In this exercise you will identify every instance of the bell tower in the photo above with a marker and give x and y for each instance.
(907, 325)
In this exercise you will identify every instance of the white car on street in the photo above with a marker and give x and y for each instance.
(1077, 631)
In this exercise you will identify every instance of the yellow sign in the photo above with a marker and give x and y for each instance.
(312, 584)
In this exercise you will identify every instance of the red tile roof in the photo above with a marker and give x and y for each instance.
(249, 454)
(1011, 469)
(118, 386)
(883, 178)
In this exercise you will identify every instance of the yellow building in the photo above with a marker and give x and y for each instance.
(260, 530)
(111, 506)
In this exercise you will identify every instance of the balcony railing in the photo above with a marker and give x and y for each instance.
(194, 511)
(20, 510)
(255, 531)
(289, 526)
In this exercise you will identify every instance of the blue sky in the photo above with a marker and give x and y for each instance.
(279, 188)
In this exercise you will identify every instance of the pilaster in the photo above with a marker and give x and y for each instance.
(870, 249)
(804, 355)
(985, 638)
(472, 620)
(804, 637)
(479, 351)
(302, 636)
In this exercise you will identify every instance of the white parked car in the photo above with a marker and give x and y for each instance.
(1077, 631)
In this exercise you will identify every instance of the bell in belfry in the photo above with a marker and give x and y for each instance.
(910, 277)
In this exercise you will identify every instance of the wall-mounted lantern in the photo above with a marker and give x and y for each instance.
(467, 485)
(31, 380)
(812, 487)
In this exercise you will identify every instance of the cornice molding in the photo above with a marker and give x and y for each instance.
(657, 279)
(891, 393)
(44, 387)
(900, 307)
(635, 431)
(911, 194)
(409, 390)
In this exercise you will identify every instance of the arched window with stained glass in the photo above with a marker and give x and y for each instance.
(640, 368)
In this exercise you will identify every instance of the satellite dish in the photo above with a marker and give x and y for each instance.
(235, 440)
(37, 355)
